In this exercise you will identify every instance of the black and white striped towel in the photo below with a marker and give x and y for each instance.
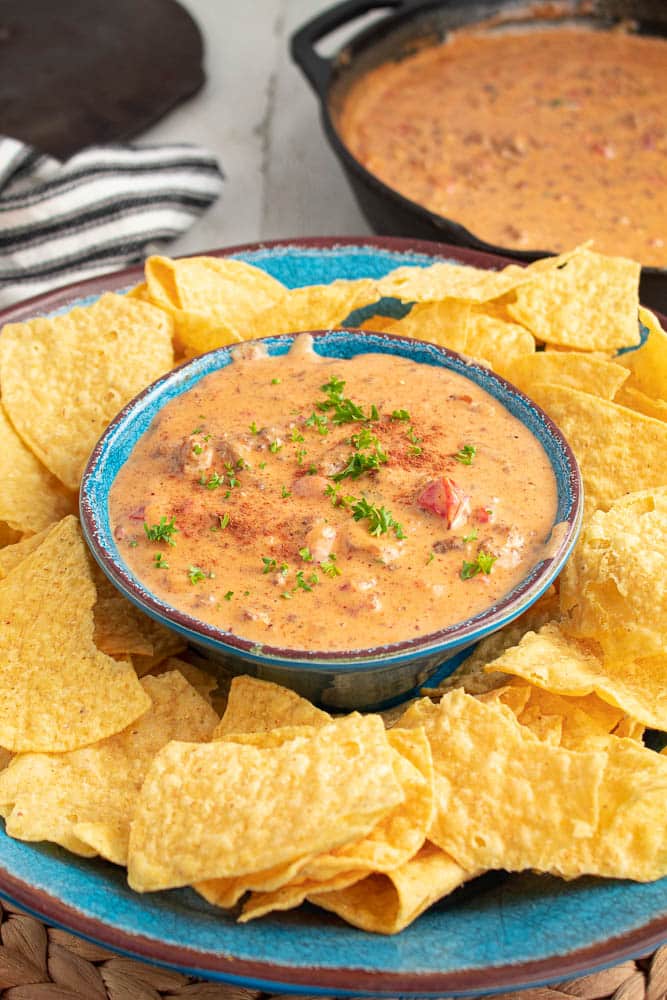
(99, 211)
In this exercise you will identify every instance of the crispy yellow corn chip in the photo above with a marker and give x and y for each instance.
(648, 364)
(402, 832)
(57, 691)
(386, 904)
(203, 682)
(275, 805)
(499, 343)
(30, 498)
(313, 307)
(226, 892)
(590, 302)
(564, 665)
(618, 450)
(84, 799)
(490, 774)
(255, 706)
(444, 323)
(12, 555)
(637, 400)
(592, 373)
(64, 378)
(450, 281)
(294, 893)
(615, 588)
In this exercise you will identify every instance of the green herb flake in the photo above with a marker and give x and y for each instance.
(196, 574)
(197, 449)
(133, 544)
(228, 596)
(380, 520)
(285, 493)
(159, 561)
(269, 564)
(275, 446)
(329, 568)
(254, 429)
(482, 564)
(306, 554)
(276, 381)
(223, 520)
(162, 532)
(296, 436)
(472, 537)
(466, 454)
(400, 415)
(431, 557)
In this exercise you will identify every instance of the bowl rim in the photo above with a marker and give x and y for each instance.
(93, 508)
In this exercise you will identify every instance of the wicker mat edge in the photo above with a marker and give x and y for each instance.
(38, 962)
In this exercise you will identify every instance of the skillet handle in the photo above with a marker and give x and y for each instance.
(315, 68)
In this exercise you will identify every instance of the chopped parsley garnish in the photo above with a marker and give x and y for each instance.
(300, 455)
(286, 596)
(133, 544)
(296, 436)
(415, 449)
(275, 446)
(400, 415)
(343, 409)
(319, 421)
(197, 430)
(482, 564)
(285, 493)
(159, 561)
(254, 429)
(269, 564)
(431, 557)
(412, 436)
(364, 439)
(228, 596)
(359, 463)
(197, 448)
(466, 454)
(312, 469)
(223, 520)
(196, 574)
(336, 499)
(329, 568)
(162, 532)
(213, 483)
(302, 583)
(306, 554)
(276, 381)
(380, 520)
(472, 537)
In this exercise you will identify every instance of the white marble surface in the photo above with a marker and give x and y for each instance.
(258, 114)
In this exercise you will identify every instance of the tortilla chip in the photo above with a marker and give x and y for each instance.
(386, 904)
(619, 451)
(637, 400)
(589, 302)
(499, 343)
(312, 794)
(450, 281)
(84, 799)
(614, 588)
(57, 691)
(256, 706)
(444, 323)
(402, 832)
(564, 665)
(12, 555)
(592, 373)
(31, 498)
(64, 378)
(203, 682)
(312, 307)
(491, 773)
(294, 893)
(648, 364)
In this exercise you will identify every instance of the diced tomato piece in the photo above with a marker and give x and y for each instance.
(482, 515)
(444, 498)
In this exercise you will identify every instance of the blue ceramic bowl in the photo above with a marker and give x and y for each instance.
(357, 678)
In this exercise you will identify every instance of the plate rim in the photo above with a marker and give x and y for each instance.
(348, 981)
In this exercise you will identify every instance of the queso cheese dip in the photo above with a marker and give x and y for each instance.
(325, 504)
(534, 139)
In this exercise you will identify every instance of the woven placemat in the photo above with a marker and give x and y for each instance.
(38, 962)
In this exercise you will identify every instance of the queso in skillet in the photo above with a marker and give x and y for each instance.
(332, 504)
(531, 139)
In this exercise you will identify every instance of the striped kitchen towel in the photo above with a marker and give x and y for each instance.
(96, 212)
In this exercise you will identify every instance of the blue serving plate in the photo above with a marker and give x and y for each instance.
(499, 933)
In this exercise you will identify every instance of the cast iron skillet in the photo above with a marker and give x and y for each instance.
(394, 36)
